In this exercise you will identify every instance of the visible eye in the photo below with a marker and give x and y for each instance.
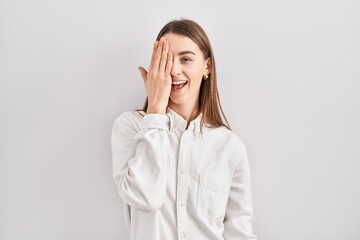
(185, 59)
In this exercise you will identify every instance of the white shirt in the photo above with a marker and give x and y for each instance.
(177, 184)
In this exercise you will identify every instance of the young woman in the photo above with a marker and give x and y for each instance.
(180, 170)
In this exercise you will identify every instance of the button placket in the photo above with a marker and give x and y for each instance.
(182, 186)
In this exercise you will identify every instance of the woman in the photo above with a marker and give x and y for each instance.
(180, 170)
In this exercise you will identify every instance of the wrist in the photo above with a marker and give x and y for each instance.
(155, 110)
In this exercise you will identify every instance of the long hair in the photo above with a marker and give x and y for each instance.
(209, 101)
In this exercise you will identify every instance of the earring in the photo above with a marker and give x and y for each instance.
(206, 77)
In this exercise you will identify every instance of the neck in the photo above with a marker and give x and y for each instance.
(186, 111)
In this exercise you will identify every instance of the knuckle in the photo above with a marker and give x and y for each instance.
(152, 75)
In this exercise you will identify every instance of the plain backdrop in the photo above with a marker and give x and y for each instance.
(289, 82)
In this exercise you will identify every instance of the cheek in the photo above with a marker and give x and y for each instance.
(194, 72)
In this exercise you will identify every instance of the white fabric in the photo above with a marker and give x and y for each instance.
(179, 184)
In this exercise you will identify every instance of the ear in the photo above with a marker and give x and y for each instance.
(207, 66)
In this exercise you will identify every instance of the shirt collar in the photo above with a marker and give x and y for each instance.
(178, 122)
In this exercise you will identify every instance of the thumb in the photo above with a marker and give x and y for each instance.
(143, 73)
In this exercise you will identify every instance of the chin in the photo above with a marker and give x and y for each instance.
(176, 101)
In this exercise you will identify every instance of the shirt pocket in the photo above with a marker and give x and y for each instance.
(212, 195)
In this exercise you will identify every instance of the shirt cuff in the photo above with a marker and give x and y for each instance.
(154, 120)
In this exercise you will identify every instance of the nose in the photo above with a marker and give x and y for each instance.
(176, 68)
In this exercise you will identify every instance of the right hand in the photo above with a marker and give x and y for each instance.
(158, 79)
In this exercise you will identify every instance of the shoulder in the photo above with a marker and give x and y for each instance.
(130, 116)
(129, 119)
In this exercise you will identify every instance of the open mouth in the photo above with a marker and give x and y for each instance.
(178, 85)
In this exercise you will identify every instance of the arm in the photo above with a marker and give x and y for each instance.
(139, 160)
(238, 216)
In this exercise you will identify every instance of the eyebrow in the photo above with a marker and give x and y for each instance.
(186, 52)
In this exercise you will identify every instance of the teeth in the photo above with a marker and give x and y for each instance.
(178, 82)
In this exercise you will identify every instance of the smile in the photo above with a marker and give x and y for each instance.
(178, 85)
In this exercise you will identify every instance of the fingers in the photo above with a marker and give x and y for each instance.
(160, 55)
(157, 56)
(169, 64)
(143, 73)
(164, 56)
(156, 44)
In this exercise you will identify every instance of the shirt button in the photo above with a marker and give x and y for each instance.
(182, 204)
(182, 235)
(182, 171)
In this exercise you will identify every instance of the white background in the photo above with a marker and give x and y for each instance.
(289, 81)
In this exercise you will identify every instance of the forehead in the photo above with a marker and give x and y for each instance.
(180, 43)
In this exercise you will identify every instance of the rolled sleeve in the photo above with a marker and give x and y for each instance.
(158, 121)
